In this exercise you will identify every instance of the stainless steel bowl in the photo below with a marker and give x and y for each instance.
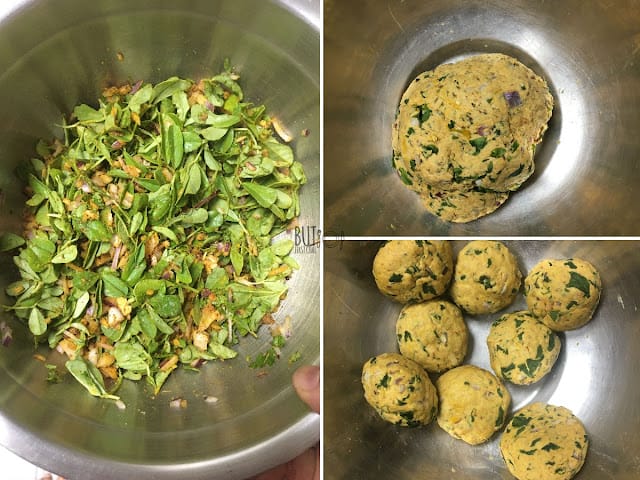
(55, 54)
(585, 168)
(595, 375)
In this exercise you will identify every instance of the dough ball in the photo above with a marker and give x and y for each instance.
(563, 294)
(543, 441)
(413, 270)
(432, 334)
(522, 350)
(470, 126)
(399, 390)
(486, 279)
(473, 403)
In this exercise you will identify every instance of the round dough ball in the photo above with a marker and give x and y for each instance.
(413, 270)
(544, 441)
(470, 126)
(399, 390)
(563, 294)
(432, 334)
(522, 350)
(473, 403)
(486, 279)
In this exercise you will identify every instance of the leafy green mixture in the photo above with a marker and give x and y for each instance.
(148, 240)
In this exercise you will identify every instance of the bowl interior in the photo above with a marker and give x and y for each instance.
(584, 164)
(593, 376)
(56, 54)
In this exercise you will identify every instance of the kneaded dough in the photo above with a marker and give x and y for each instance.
(399, 390)
(470, 126)
(462, 206)
(544, 442)
(433, 334)
(413, 270)
(563, 294)
(473, 403)
(522, 350)
(486, 278)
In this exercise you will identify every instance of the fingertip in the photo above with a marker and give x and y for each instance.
(306, 381)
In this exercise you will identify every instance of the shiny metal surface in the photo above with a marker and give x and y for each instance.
(55, 54)
(586, 170)
(596, 375)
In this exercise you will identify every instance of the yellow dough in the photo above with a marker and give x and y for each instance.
(468, 128)
(522, 350)
(462, 206)
(563, 294)
(413, 270)
(486, 279)
(544, 442)
(433, 334)
(399, 390)
(473, 403)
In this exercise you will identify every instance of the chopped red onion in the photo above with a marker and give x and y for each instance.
(6, 334)
(197, 363)
(136, 86)
(482, 130)
(224, 247)
(513, 98)
(178, 403)
(116, 257)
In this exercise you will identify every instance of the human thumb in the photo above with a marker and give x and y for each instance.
(306, 381)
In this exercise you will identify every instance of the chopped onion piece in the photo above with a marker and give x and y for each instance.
(6, 334)
(178, 403)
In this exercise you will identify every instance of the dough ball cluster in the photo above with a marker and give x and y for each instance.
(465, 133)
(486, 279)
(522, 350)
(399, 390)
(544, 441)
(413, 270)
(563, 294)
(470, 403)
(433, 334)
(473, 403)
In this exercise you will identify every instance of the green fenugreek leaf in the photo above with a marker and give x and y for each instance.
(150, 230)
